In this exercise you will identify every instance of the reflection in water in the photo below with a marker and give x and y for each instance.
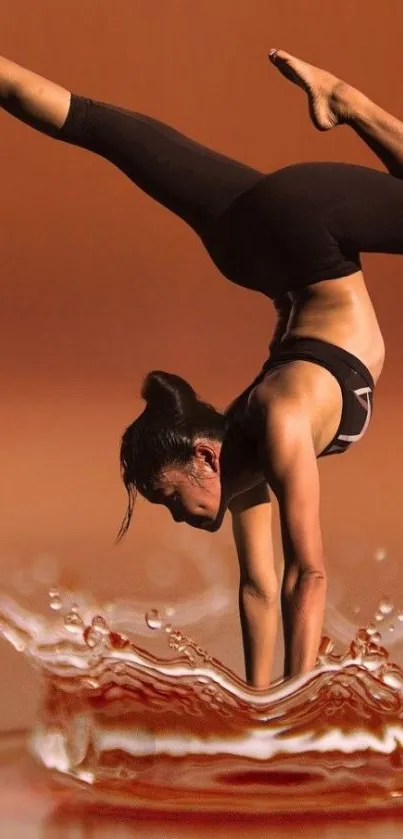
(183, 733)
(33, 805)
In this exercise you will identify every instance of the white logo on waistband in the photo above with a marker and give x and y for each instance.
(363, 396)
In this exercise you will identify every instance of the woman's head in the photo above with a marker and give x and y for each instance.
(171, 453)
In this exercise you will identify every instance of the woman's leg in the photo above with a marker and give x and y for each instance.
(32, 99)
(191, 180)
(334, 102)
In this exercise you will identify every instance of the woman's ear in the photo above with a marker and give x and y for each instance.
(207, 453)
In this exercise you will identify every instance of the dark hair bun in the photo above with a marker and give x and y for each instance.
(168, 393)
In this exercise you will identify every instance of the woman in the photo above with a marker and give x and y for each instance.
(296, 236)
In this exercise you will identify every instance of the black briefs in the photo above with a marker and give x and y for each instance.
(355, 380)
(272, 232)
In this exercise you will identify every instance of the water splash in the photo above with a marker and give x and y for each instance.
(169, 732)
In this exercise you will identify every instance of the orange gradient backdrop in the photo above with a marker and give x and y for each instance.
(99, 285)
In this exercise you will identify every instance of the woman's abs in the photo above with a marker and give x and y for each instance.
(340, 312)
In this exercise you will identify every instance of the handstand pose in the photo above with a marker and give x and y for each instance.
(296, 236)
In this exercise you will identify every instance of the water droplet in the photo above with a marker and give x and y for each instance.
(74, 607)
(379, 616)
(73, 622)
(55, 603)
(168, 628)
(385, 606)
(153, 619)
(380, 554)
(376, 638)
(371, 629)
(400, 616)
(391, 628)
(91, 637)
(169, 611)
(54, 592)
(100, 625)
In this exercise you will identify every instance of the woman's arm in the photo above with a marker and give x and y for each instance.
(258, 589)
(290, 465)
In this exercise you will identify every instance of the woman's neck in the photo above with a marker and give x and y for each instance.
(240, 467)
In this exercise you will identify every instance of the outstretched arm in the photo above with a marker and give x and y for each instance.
(258, 589)
(289, 460)
(33, 99)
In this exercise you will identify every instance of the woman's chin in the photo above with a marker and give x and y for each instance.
(215, 524)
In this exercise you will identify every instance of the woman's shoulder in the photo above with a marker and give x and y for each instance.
(237, 410)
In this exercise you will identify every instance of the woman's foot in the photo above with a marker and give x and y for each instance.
(327, 95)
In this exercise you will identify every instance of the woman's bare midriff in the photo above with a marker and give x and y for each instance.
(341, 312)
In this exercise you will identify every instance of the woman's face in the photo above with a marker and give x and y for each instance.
(193, 493)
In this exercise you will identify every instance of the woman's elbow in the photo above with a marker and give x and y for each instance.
(265, 593)
(303, 579)
(314, 574)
